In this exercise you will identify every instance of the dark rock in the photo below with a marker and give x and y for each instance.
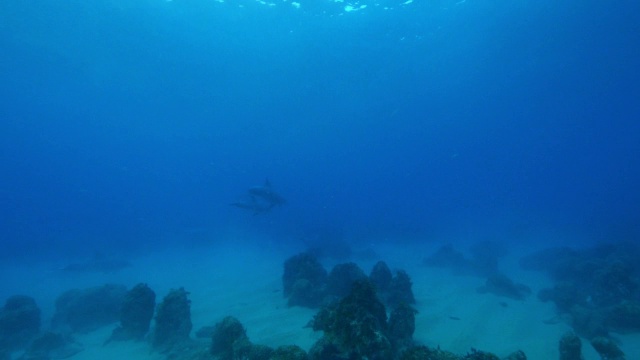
(357, 326)
(426, 353)
(323, 319)
(483, 262)
(229, 338)
(501, 285)
(485, 256)
(290, 352)
(400, 291)
(448, 257)
(381, 276)
(173, 321)
(613, 283)
(570, 347)
(324, 349)
(305, 293)
(402, 324)
(259, 352)
(597, 286)
(19, 322)
(588, 322)
(565, 295)
(518, 355)
(342, 277)
(304, 280)
(88, 309)
(229, 341)
(607, 348)
(607, 273)
(136, 314)
(625, 316)
(479, 355)
(555, 261)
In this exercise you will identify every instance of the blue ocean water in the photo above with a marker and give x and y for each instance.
(123, 121)
(131, 127)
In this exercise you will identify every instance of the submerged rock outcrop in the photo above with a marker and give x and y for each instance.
(84, 310)
(356, 327)
(597, 289)
(500, 285)
(19, 322)
(136, 314)
(304, 281)
(607, 349)
(570, 347)
(173, 321)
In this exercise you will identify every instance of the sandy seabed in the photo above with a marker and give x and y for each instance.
(244, 280)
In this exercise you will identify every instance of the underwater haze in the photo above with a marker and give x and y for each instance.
(123, 121)
(228, 153)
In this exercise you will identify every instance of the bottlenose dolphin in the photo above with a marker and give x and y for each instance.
(262, 199)
(253, 205)
(266, 193)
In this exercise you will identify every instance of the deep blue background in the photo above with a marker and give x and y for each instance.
(123, 122)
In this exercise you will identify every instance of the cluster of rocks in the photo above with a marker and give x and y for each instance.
(135, 314)
(84, 310)
(483, 259)
(596, 290)
(360, 316)
(307, 283)
(353, 314)
(355, 327)
(19, 323)
(483, 262)
(570, 347)
(229, 341)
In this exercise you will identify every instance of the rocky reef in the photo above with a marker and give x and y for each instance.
(136, 314)
(84, 310)
(500, 285)
(229, 341)
(304, 281)
(342, 277)
(19, 322)
(607, 348)
(596, 290)
(307, 283)
(173, 322)
(570, 347)
(482, 262)
(357, 327)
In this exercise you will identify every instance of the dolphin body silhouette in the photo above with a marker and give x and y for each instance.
(263, 199)
(253, 205)
(266, 193)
